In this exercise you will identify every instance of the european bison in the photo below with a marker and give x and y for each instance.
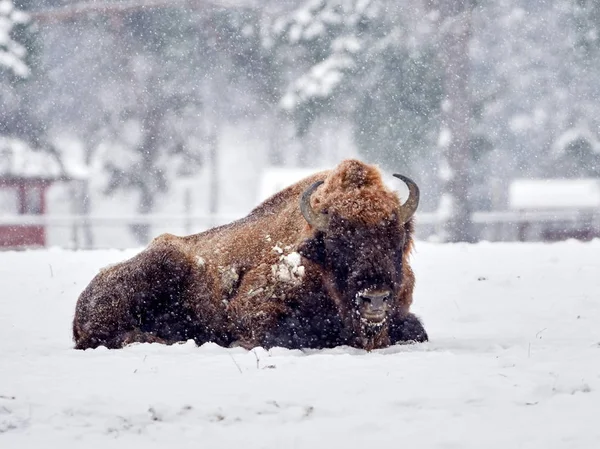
(320, 264)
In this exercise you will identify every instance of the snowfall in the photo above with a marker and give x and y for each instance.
(513, 361)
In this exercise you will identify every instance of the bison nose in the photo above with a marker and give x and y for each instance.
(376, 299)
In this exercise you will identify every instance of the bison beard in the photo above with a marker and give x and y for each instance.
(320, 264)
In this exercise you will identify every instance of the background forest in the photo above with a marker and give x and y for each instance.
(136, 97)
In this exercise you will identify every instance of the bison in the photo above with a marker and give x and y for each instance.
(320, 264)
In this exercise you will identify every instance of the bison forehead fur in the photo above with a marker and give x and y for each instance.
(322, 263)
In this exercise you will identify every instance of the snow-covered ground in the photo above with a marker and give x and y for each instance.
(513, 362)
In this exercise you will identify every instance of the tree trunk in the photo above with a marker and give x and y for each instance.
(148, 177)
(213, 150)
(86, 226)
(455, 33)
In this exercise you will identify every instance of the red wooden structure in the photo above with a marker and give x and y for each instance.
(23, 196)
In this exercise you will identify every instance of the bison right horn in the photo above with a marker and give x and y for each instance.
(315, 219)
(408, 209)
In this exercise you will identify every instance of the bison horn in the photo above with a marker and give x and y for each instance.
(407, 210)
(315, 219)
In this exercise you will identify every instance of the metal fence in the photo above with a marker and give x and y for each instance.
(514, 225)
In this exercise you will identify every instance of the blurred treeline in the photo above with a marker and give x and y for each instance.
(444, 90)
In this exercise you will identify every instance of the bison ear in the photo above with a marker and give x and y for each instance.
(313, 249)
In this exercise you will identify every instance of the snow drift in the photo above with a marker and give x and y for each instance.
(513, 361)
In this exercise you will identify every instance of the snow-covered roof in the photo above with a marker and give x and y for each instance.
(554, 193)
(18, 159)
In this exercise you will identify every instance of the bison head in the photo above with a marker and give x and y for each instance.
(359, 237)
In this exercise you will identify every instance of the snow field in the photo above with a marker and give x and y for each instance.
(513, 361)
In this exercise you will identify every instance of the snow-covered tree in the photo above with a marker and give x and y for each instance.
(12, 53)
(145, 90)
(586, 21)
(366, 62)
(534, 82)
(16, 126)
(530, 78)
(453, 38)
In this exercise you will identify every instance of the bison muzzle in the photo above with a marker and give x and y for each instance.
(320, 264)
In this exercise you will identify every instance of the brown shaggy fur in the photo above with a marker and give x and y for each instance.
(246, 284)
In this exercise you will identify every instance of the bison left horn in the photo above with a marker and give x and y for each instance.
(317, 220)
(408, 209)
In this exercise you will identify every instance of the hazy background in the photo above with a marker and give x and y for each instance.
(184, 107)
